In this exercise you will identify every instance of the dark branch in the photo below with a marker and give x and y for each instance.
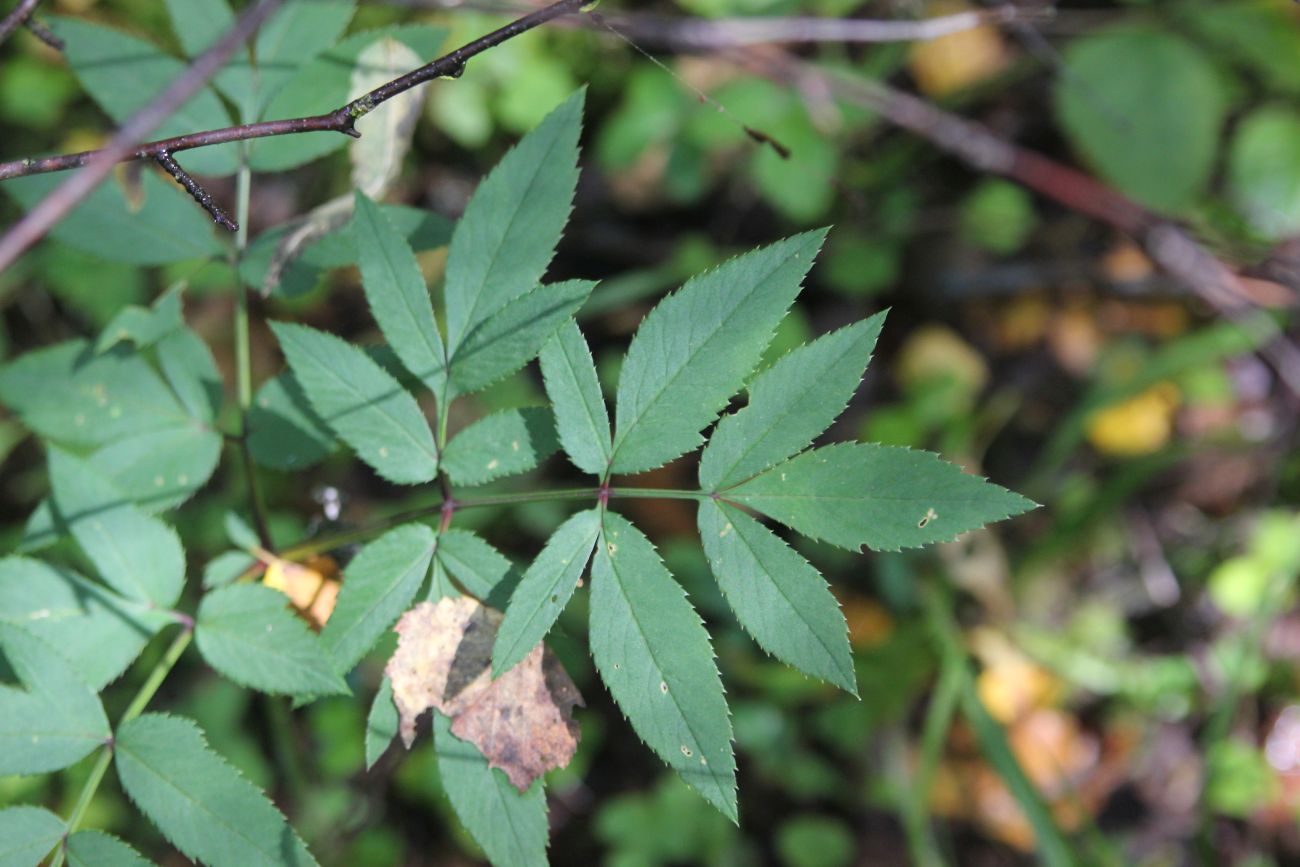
(202, 196)
(17, 18)
(43, 33)
(57, 204)
(125, 144)
(342, 119)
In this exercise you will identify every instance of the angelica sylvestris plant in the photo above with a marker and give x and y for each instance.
(130, 424)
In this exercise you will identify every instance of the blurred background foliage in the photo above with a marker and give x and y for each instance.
(1118, 667)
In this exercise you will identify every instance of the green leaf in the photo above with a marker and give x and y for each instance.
(97, 849)
(98, 631)
(284, 432)
(1264, 170)
(884, 497)
(161, 468)
(507, 236)
(510, 826)
(654, 655)
(124, 74)
(515, 333)
(144, 326)
(790, 403)
(27, 834)
(264, 266)
(191, 371)
(248, 633)
(56, 720)
(137, 555)
(362, 403)
(695, 348)
(224, 568)
(398, 296)
(777, 595)
(322, 85)
(1115, 105)
(378, 585)
(240, 534)
(545, 589)
(199, 23)
(481, 569)
(295, 34)
(70, 395)
(381, 724)
(502, 444)
(581, 418)
(167, 227)
(201, 804)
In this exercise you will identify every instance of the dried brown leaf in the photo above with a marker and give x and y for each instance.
(522, 722)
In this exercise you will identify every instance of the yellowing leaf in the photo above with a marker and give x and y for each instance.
(949, 63)
(522, 722)
(306, 585)
(1138, 426)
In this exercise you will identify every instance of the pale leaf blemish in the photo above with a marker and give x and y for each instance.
(493, 464)
(725, 530)
(611, 548)
(159, 481)
(687, 751)
(182, 479)
(115, 412)
(514, 446)
(663, 687)
(79, 419)
(264, 403)
(930, 515)
(383, 451)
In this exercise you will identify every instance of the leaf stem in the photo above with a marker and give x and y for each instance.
(142, 698)
(334, 540)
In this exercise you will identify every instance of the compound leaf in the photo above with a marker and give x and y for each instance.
(510, 826)
(545, 589)
(191, 371)
(56, 720)
(514, 334)
(398, 296)
(790, 403)
(653, 653)
(98, 631)
(378, 585)
(97, 849)
(507, 235)
(481, 569)
(199, 802)
(695, 348)
(139, 556)
(777, 595)
(581, 417)
(362, 403)
(502, 444)
(284, 432)
(27, 834)
(884, 497)
(248, 633)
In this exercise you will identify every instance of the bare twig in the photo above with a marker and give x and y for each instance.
(695, 34)
(202, 196)
(17, 18)
(1167, 243)
(43, 33)
(125, 144)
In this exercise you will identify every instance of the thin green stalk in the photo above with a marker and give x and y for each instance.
(915, 799)
(142, 698)
(1053, 848)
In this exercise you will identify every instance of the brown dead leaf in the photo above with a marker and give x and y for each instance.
(309, 586)
(522, 722)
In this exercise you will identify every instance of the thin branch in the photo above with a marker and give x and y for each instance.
(17, 18)
(202, 196)
(43, 33)
(696, 34)
(125, 145)
(38, 221)
(1167, 243)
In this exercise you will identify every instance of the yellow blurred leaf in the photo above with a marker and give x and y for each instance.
(1138, 426)
(957, 60)
(935, 352)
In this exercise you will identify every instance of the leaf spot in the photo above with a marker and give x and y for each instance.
(686, 751)
(930, 515)
(663, 687)
(612, 548)
(725, 530)
(159, 481)
(383, 451)
(514, 446)
(493, 464)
